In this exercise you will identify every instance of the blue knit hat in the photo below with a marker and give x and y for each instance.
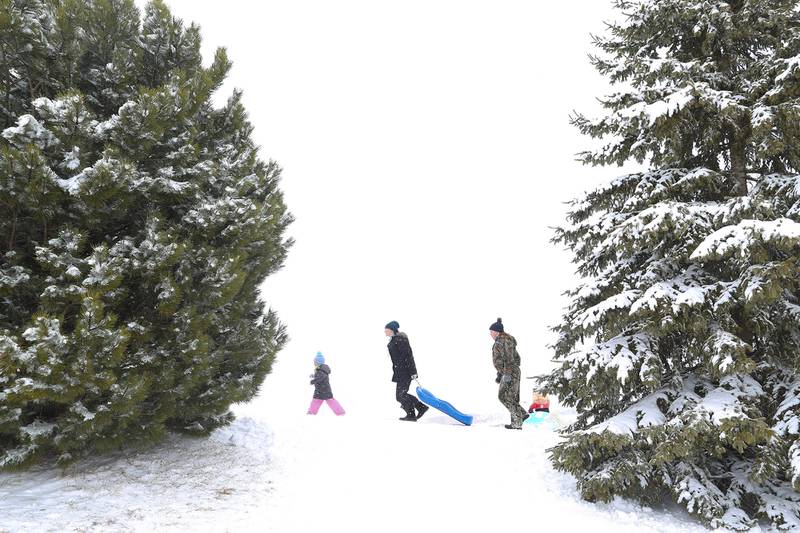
(319, 359)
(497, 326)
(393, 325)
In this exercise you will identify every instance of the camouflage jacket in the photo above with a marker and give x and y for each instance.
(504, 355)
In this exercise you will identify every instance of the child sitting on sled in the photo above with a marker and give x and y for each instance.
(322, 387)
(541, 403)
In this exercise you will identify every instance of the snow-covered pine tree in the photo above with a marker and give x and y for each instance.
(137, 225)
(681, 350)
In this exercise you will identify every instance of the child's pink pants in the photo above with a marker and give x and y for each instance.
(332, 403)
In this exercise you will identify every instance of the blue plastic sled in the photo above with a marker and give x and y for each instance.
(537, 417)
(427, 397)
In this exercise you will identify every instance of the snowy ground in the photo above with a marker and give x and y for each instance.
(277, 469)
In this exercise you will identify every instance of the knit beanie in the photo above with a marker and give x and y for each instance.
(393, 325)
(319, 359)
(497, 326)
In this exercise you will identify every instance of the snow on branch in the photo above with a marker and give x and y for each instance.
(794, 458)
(788, 412)
(657, 227)
(664, 107)
(29, 131)
(623, 352)
(13, 276)
(728, 353)
(728, 399)
(739, 240)
(642, 414)
(597, 312)
(688, 289)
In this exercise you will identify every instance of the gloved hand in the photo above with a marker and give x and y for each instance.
(506, 378)
(413, 376)
(497, 379)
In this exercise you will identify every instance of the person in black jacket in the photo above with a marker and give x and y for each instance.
(403, 371)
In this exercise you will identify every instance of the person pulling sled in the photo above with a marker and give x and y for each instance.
(403, 371)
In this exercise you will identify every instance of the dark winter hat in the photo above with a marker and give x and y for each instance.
(393, 325)
(497, 326)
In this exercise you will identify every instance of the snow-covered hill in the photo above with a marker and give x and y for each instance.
(277, 469)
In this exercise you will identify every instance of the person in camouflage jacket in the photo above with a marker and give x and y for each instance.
(506, 361)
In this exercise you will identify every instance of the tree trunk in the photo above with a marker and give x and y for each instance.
(13, 236)
(738, 159)
(7, 84)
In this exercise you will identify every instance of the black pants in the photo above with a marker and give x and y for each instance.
(407, 401)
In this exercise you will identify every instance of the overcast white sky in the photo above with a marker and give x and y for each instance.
(426, 152)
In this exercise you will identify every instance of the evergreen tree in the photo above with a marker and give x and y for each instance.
(137, 225)
(681, 350)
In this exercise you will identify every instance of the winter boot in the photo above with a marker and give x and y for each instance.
(421, 410)
(511, 426)
(410, 417)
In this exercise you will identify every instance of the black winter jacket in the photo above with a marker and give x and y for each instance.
(403, 366)
(322, 383)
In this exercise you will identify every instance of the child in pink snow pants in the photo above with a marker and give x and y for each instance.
(322, 388)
